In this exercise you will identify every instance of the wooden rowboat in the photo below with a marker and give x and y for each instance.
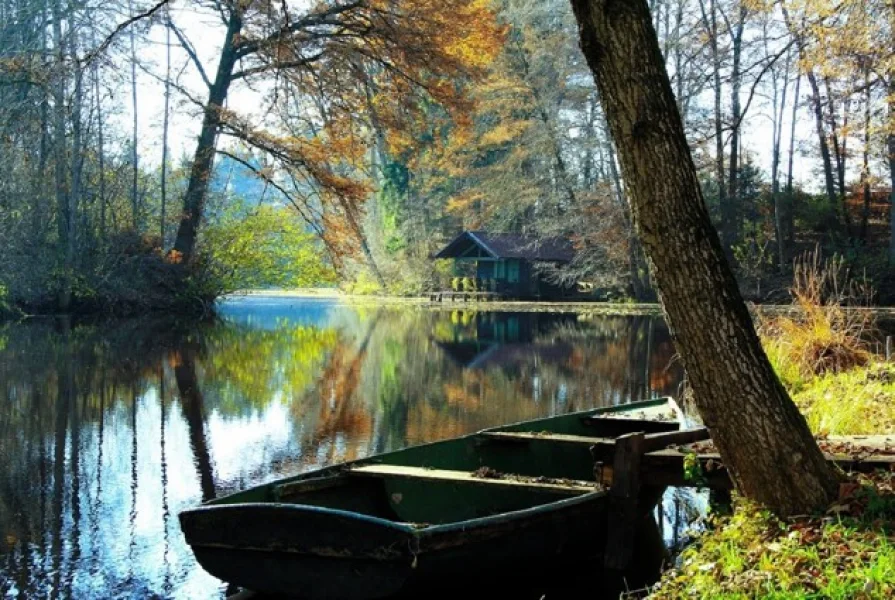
(490, 502)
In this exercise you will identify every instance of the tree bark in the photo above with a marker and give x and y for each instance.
(60, 153)
(165, 124)
(763, 439)
(865, 165)
(890, 146)
(817, 105)
(890, 141)
(733, 179)
(135, 154)
(775, 170)
(203, 161)
(710, 21)
(839, 152)
(790, 200)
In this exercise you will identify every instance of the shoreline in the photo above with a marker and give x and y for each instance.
(886, 313)
(580, 307)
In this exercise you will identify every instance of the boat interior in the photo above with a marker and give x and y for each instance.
(507, 468)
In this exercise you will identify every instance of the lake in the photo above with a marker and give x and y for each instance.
(108, 430)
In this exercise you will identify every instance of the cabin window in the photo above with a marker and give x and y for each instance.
(513, 271)
(500, 270)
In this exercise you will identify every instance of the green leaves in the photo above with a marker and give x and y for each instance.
(267, 247)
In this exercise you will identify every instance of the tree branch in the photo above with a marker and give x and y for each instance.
(270, 180)
(292, 64)
(314, 19)
(191, 52)
(120, 28)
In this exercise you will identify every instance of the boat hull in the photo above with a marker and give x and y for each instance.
(316, 553)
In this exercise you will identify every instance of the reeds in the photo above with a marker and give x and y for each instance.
(827, 331)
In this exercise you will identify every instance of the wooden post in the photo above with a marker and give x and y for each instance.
(888, 347)
(623, 500)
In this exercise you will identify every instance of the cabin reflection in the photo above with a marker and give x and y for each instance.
(484, 340)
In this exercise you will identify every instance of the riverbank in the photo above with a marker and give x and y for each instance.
(847, 552)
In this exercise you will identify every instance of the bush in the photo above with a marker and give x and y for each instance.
(825, 334)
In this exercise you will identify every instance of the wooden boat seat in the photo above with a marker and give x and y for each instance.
(534, 436)
(563, 486)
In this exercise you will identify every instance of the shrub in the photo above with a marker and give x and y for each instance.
(827, 332)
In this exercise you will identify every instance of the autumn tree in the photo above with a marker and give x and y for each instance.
(331, 69)
(763, 439)
(846, 56)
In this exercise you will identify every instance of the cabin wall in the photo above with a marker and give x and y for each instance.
(515, 278)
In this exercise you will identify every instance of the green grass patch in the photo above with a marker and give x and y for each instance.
(855, 402)
(847, 554)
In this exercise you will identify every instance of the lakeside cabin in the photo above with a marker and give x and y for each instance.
(506, 266)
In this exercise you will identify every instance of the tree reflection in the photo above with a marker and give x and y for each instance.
(99, 456)
(193, 406)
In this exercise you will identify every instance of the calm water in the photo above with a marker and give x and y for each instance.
(106, 432)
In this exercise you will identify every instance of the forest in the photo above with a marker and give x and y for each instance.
(157, 155)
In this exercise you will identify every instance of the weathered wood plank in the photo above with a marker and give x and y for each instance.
(532, 436)
(660, 441)
(666, 467)
(571, 487)
(294, 488)
(603, 450)
(623, 500)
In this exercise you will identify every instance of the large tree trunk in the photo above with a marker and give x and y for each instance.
(763, 439)
(203, 161)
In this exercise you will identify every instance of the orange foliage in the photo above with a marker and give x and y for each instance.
(366, 71)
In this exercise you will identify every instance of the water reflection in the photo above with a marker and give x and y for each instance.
(108, 431)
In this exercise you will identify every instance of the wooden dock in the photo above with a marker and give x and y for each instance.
(470, 296)
(665, 466)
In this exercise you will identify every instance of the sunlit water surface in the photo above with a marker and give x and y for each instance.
(108, 431)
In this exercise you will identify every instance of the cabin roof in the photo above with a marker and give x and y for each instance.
(511, 245)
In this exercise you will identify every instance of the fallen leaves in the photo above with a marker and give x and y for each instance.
(846, 552)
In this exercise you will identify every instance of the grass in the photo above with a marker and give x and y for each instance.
(855, 402)
(847, 554)
(823, 335)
